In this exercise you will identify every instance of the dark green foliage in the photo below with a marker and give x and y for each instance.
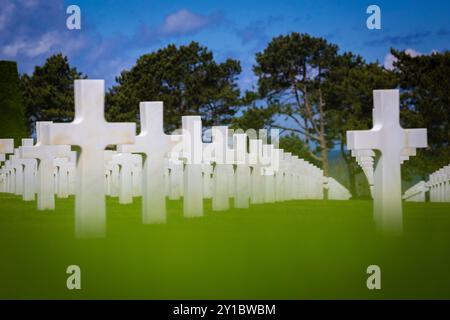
(425, 85)
(48, 92)
(187, 79)
(12, 111)
(294, 144)
(254, 117)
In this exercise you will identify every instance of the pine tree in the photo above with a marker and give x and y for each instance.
(12, 111)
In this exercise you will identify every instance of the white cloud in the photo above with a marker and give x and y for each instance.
(413, 53)
(5, 14)
(389, 59)
(11, 50)
(184, 22)
(31, 48)
(29, 3)
(42, 45)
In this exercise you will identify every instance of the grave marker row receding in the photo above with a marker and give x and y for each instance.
(153, 163)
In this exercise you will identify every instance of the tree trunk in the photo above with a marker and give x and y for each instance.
(323, 142)
(322, 137)
(305, 121)
(350, 169)
(352, 180)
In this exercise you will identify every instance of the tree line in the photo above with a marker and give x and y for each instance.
(305, 87)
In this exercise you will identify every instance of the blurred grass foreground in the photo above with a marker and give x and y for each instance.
(290, 250)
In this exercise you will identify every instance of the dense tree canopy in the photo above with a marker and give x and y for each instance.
(12, 111)
(292, 143)
(425, 85)
(187, 79)
(253, 116)
(48, 92)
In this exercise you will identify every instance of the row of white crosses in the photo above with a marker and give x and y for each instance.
(6, 147)
(416, 193)
(365, 159)
(20, 175)
(336, 191)
(123, 175)
(439, 185)
(156, 165)
(396, 145)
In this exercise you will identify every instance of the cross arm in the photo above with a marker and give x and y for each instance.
(6, 145)
(363, 139)
(32, 152)
(131, 148)
(121, 133)
(416, 138)
(174, 140)
(62, 134)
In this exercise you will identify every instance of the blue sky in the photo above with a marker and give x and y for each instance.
(114, 33)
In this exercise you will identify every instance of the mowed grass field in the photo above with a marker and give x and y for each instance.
(291, 250)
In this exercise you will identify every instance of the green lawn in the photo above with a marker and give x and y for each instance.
(291, 250)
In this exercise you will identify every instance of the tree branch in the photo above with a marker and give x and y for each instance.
(296, 130)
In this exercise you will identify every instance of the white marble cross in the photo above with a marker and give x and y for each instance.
(46, 155)
(10, 177)
(315, 181)
(175, 176)
(207, 166)
(18, 173)
(136, 174)
(29, 173)
(113, 175)
(439, 185)
(155, 144)
(71, 172)
(62, 165)
(113, 179)
(446, 187)
(337, 191)
(6, 146)
(92, 134)
(365, 159)
(303, 173)
(192, 147)
(279, 176)
(288, 176)
(242, 175)
(405, 153)
(269, 174)
(107, 181)
(416, 193)
(434, 186)
(125, 162)
(446, 184)
(207, 171)
(166, 177)
(296, 177)
(3, 180)
(220, 198)
(256, 180)
(390, 138)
